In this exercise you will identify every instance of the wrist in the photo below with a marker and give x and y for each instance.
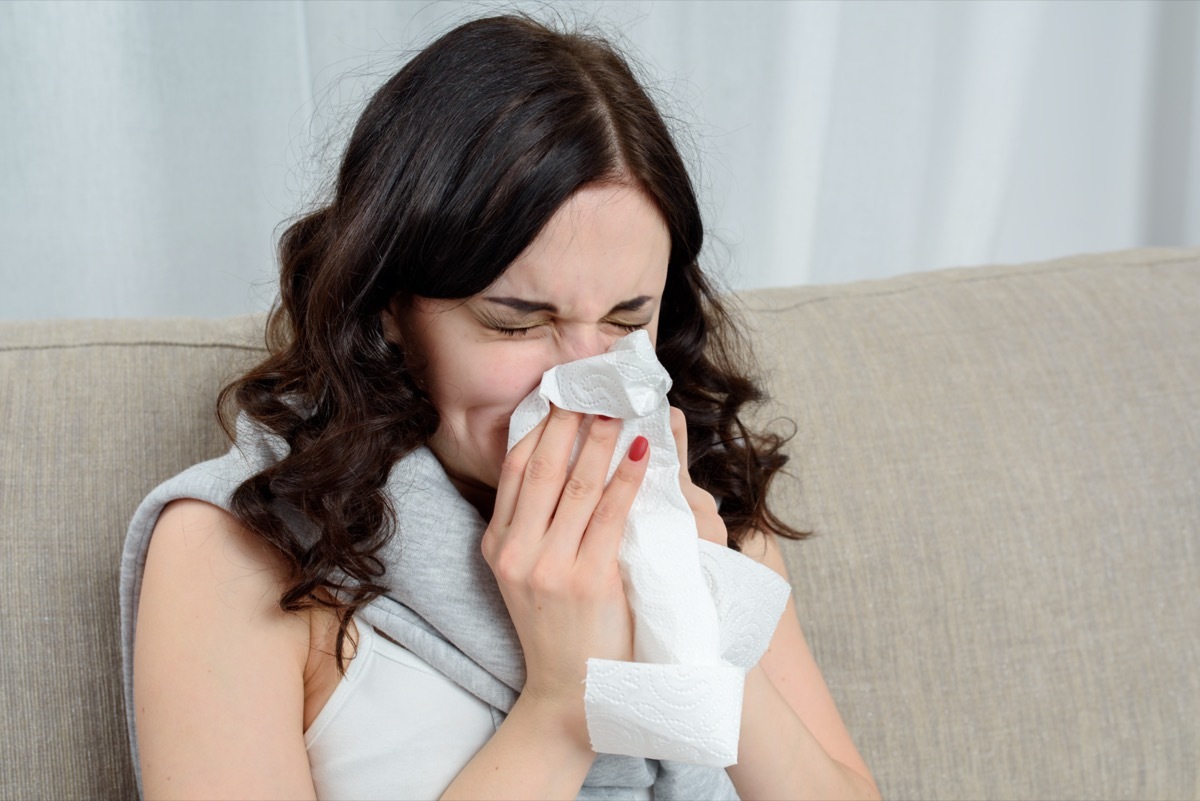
(563, 720)
(539, 751)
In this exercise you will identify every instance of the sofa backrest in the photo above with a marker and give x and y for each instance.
(93, 415)
(1000, 466)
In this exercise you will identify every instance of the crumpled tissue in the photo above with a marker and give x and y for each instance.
(703, 614)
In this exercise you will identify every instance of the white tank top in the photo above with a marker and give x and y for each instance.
(394, 727)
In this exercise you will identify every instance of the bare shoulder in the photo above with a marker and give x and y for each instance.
(763, 547)
(218, 666)
(210, 586)
(202, 547)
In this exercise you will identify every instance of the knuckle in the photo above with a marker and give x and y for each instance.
(512, 467)
(578, 488)
(602, 434)
(508, 567)
(607, 511)
(539, 469)
(487, 544)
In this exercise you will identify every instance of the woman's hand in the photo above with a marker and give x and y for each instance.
(709, 524)
(552, 543)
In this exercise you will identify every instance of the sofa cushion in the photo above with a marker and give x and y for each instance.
(1002, 469)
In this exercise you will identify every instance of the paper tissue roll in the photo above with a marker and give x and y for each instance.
(677, 712)
(681, 697)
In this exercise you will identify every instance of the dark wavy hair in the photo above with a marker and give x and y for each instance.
(455, 165)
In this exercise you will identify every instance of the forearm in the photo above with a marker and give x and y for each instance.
(534, 754)
(778, 757)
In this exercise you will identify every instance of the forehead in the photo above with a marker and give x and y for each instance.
(605, 244)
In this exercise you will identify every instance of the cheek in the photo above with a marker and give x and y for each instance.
(480, 394)
(506, 378)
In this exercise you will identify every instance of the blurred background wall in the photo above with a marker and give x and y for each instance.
(149, 151)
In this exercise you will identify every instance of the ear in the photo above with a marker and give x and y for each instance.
(391, 317)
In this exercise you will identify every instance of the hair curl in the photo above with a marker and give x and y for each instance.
(455, 165)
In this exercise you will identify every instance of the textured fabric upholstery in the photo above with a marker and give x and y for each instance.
(1001, 466)
(93, 415)
(1002, 469)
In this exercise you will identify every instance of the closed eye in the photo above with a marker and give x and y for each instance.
(513, 332)
(520, 332)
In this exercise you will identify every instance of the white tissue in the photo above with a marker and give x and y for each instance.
(703, 614)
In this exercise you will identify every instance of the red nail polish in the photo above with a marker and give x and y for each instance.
(638, 449)
(604, 417)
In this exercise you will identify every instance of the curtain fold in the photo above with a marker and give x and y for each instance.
(150, 152)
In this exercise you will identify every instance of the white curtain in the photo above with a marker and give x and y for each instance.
(149, 151)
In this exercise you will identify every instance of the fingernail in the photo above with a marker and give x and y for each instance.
(604, 417)
(638, 449)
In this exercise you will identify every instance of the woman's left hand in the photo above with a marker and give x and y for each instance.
(709, 524)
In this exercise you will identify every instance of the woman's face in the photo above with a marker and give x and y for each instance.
(595, 273)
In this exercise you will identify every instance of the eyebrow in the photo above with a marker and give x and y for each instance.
(531, 306)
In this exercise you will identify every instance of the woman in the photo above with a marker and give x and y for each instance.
(509, 201)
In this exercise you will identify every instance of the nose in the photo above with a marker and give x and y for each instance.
(580, 342)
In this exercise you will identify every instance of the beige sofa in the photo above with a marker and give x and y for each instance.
(1001, 464)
